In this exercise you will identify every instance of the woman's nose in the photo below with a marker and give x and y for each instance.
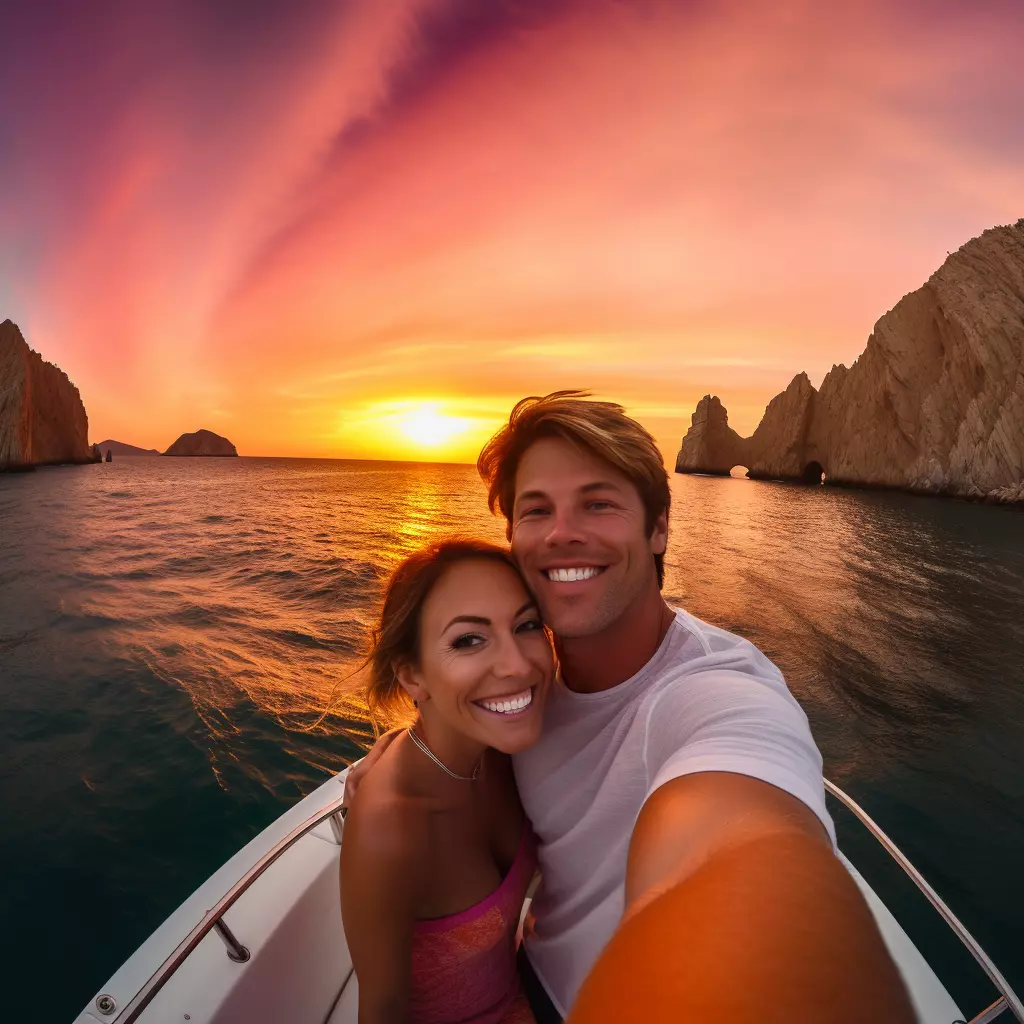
(511, 663)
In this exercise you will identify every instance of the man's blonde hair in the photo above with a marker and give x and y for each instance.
(601, 428)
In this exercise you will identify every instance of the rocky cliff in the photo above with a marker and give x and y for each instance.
(202, 442)
(934, 403)
(42, 419)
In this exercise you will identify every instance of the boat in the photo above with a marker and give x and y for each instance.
(261, 940)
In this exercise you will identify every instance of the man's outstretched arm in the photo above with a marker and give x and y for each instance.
(737, 910)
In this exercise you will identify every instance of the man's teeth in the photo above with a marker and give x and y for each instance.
(509, 705)
(571, 575)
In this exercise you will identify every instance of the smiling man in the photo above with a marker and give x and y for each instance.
(672, 753)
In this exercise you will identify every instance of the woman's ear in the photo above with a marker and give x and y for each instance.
(409, 679)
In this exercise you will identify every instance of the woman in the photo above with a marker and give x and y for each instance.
(438, 853)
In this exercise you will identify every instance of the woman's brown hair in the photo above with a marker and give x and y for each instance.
(396, 638)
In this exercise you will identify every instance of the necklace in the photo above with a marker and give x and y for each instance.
(440, 764)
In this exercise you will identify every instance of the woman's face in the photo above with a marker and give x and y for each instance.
(485, 659)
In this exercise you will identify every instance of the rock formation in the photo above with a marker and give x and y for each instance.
(202, 442)
(710, 445)
(119, 448)
(934, 403)
(42, 419)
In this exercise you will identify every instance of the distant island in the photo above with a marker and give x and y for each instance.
(202, 443)
(119, 448)
(934, 404)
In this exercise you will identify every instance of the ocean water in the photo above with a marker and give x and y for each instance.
(168, 627)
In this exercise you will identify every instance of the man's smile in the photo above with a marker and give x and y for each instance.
(573, 574)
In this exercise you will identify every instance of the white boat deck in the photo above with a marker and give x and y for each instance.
(298, 968)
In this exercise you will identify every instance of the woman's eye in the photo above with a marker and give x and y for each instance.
(467, 640)
(529, 625)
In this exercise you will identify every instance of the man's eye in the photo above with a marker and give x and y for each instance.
(467, 640)
(599, 504)
(532, 512)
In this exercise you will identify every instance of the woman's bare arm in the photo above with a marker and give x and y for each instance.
(380, 886)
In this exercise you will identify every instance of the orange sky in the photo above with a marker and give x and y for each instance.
(366, 229)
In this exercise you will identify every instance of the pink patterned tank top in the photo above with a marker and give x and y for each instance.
(464, 965)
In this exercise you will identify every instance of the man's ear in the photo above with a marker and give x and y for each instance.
(659, 534)
(410, 680)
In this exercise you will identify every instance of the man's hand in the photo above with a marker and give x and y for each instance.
(357, 772)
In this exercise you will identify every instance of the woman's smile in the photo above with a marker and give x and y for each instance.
(509, 704)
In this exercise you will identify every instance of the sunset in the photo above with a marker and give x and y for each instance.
(270, 222)
(421, 428)
(491, 490)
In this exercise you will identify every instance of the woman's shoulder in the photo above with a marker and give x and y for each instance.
(385, 819)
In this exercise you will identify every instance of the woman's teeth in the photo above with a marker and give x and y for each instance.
(508, 705)
(571, 575)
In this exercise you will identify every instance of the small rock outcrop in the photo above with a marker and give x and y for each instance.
(934, 404)
(42, 418)
(711, 445)
(202, 442)
(119, 448)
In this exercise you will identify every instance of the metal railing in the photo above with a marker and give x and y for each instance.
(212, 919)
(1008, 999)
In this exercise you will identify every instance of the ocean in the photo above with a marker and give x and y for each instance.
(170, 628)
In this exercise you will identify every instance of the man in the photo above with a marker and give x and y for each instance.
(675, 772)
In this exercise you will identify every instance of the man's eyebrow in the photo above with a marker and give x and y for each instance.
(480, 620)
(529, 496)
(597, 485)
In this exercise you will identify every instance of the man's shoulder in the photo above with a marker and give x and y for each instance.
(697, 647)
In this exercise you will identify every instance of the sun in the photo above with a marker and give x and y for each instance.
(430, 428)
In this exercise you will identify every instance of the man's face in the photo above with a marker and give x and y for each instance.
(578, 533)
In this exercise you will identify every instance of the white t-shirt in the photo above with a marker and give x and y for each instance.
(707, 701)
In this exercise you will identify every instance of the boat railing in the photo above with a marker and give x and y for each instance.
(1008, 1000)
(332, 812)
(212, 920)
